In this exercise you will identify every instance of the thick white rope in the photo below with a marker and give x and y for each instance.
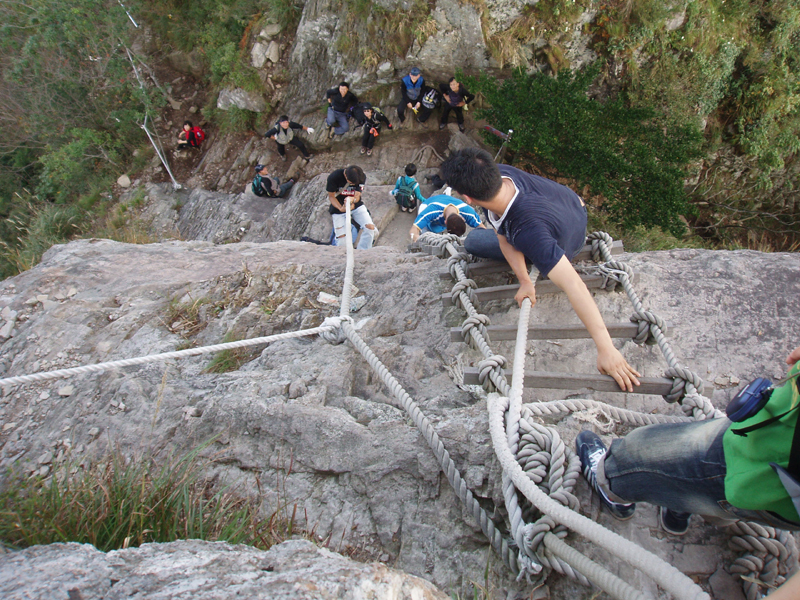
(141, 360)
(667, 576)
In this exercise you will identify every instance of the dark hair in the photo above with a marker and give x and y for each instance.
(472, 172)
(345, 84)
(451, 80)
(189, 123)
(283, 118)
(411, 169)
(355, 174)
(456, 224)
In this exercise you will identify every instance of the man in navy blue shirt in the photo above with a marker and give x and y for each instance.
(545, 222)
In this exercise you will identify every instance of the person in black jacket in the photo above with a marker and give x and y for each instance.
(340, 101)
(372, 127)
(283, 133)
(454, 97)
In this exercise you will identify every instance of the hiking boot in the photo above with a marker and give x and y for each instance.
(283, 157)
(363, 150)
(461, 127)
(331, 133)
(307, 158)
(423, 123)
(673, 522)
(369, 151)
(590, 450)
(442, 125)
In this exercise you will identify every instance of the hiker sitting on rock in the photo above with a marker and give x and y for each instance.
(270, 187)
(445, 212)
(540, 220)
(373, 118)
(346, 185)
(340, 101)
(190, 136)
(411, 90)
(722, 469)
(283, 133)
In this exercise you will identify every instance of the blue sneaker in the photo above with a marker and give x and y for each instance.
(591, 449)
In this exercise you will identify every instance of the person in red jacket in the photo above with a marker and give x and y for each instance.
(190, 136)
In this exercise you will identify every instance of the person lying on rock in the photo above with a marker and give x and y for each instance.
(442, 213)
(346, 185)
(283, 133)
(271, 187)
(746, 468)
(540, 220)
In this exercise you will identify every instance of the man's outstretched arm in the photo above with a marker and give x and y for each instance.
(609, 360)
(516, 260)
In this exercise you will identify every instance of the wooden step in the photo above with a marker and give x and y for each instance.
(486, 267)
(543, 286)
(658, 386)
(499, 333)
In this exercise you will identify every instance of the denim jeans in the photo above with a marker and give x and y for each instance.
(677, 465)
(284, 188)
(483, 243)
(362, 217)
(339, 119)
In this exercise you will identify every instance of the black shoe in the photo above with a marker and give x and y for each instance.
(590, 450)
(461, 127)
(307, 158)
(442, 125)
(673, 522)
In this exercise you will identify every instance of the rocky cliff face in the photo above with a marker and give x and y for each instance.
(360, 472)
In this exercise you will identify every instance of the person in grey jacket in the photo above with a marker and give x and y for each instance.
(284, 133)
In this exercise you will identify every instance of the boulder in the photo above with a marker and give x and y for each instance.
(241, 99)
(197, 570)
(124, 181)
(258, 55)
(190, 63)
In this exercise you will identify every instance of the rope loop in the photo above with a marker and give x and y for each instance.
(681, 376)
(495, 363)
(459, 259)
(699, 407)
(597, 238)
(336, 336)
(645, 321)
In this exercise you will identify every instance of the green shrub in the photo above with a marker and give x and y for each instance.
(119, 503)
(623, 154)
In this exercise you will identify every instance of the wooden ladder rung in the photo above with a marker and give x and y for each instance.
(486, 267)
(499, 333)
(543, 286)
(658, 386)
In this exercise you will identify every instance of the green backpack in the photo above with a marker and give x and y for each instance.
(406, 196)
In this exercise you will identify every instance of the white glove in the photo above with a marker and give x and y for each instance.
(310, 130)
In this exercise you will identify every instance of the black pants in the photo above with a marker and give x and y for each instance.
(297, 143)
(459, 110)
(422, 112)
(367, 140)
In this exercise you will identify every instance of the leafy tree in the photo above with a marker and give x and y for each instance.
(621, 153)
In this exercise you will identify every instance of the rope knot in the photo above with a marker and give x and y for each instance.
(493, 364)
(646, 322)
(681, 377)
(480, 321)
(465, 285)
(337, 336)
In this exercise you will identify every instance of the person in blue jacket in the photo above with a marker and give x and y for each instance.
(411, 90)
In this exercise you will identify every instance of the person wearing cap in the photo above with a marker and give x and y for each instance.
(340, 101)
(283, 133)
(445, 212)
(271, 187)
(372, 127)
(411, 90)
